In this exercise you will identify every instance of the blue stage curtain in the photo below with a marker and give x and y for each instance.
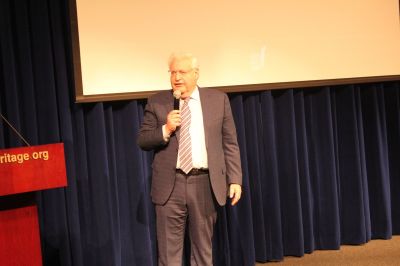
(321, 165)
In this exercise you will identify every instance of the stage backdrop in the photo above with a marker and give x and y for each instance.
(121, 47)
(320, 165)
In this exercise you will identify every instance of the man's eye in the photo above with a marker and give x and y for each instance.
(180, 72)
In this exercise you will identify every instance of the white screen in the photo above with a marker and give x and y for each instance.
(125, 44)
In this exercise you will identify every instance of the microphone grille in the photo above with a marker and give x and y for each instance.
(177, 94)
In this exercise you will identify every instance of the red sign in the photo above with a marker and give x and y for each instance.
(32, 168)
(19, 237)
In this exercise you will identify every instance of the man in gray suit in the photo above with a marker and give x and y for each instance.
(196, 162)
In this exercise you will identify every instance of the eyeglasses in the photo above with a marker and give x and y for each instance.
(180, 72)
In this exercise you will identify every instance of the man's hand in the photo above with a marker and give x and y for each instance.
(173, 121)
(235, 191)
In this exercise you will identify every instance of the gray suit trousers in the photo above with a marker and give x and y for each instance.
(191, 202)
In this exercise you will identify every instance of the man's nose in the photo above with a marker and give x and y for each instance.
(178, 76)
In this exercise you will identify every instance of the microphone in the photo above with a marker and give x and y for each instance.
(177, 96)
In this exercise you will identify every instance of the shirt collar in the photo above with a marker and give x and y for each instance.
(195, 95)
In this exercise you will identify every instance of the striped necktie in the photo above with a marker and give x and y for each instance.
(185, 142)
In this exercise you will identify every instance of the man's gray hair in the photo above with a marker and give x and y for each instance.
(180, 56)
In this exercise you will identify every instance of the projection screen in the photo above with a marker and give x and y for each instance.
(121, 47)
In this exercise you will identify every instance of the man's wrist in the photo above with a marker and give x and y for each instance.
(166, 132)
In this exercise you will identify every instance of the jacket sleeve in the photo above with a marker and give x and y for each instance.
(150, 134)
(230, 146)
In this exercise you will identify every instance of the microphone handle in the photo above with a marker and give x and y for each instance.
(176, 104)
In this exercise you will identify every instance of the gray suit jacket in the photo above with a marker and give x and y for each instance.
(221, 143)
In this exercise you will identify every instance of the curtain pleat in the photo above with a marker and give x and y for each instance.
(270, 205)
(375, 134)
(392, 109)
(303, 165)
(288, 173)
(322, 171)
(320, 165)
(350, 164)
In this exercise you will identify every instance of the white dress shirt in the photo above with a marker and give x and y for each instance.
(199, 150)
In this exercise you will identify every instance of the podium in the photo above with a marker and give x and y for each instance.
(22, 172)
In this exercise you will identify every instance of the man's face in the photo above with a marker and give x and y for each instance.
(183, 76)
